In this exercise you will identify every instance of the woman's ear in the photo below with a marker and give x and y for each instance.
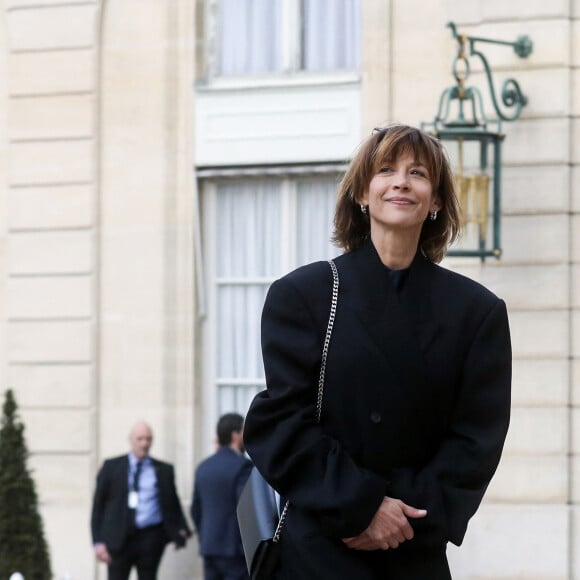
(363, 199)
(436, 204)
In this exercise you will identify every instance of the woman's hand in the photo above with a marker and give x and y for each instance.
(388, 528)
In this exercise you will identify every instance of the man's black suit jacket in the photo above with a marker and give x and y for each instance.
(110, 520)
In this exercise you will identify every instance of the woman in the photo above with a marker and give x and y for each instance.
(417, 392)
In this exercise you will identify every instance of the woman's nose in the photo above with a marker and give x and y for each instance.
(401, 179)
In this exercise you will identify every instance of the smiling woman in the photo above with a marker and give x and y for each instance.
(406, 445)
(403, 160)
(399, 198)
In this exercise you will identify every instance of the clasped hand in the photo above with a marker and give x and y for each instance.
(389, 527)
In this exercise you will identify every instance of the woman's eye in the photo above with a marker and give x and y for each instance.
(386, 169)
(419, 172)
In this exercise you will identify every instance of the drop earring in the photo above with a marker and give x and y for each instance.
(433, 215)
(363, 208)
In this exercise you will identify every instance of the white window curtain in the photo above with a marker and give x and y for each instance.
(249, 36)
(331, 32)
(315, 214)
(249, 228)
(254, 219)
(248, 250)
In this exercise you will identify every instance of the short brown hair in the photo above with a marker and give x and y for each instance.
(352, 227)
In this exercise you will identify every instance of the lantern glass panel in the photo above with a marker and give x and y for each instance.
(472, 162)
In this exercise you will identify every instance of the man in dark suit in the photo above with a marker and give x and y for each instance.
(136, 511)
(219, 481)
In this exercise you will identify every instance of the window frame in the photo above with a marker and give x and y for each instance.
(209, 186)
(291, 51)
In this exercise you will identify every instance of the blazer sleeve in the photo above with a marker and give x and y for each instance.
(196, 510)
(173, 512)
(99, 501)
(281, 434)
(451, 486)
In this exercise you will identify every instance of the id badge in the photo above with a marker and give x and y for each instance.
(133, 499)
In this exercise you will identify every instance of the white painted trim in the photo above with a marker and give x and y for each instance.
(288, 211)
(281, 126)
(276, 170)
(291, 41)
(200, 280)
(208, 327)
(273, 80)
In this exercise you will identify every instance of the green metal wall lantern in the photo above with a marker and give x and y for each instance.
(474, 142)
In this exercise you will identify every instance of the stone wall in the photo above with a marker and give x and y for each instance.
(50, 253)
(97, 253)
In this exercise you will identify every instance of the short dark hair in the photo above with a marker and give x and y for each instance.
(352, 227)
(228, 424)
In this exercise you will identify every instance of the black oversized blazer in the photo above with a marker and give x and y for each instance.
(416, 402)
(110, 518)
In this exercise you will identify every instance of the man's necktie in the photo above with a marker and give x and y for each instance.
(134, 491)
(137, 475)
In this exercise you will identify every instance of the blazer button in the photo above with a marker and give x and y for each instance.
(376, 417)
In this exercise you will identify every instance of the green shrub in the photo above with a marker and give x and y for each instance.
(22, 543)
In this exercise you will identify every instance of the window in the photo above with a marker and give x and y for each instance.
(249, 32)
(255, 231)
(256, 37)
(331, 35)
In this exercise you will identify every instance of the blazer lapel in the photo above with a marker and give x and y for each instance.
(398, 323)
(124, 467)
(417, 301)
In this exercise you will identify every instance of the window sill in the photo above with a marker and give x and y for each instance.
(300, 79)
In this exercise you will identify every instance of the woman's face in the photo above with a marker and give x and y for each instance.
(400, 195)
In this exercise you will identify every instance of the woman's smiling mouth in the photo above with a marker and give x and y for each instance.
(400, 200)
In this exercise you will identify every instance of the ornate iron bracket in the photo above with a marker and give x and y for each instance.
(511, 94)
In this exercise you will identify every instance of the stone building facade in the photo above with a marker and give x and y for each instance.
(121, 146)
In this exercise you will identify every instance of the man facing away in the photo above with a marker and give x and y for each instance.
(136, 511)
(219, 481)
